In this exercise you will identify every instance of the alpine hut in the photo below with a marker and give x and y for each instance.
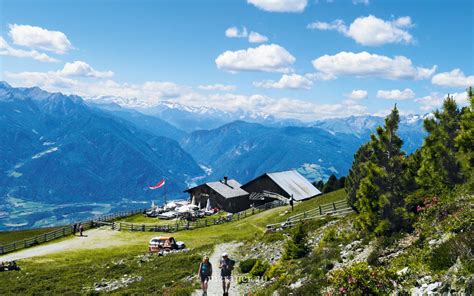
(224, 194)
(279, 185)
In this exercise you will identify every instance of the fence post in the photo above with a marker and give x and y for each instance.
(25, 243)
(320, 211)
(334, 206)
(45, 237)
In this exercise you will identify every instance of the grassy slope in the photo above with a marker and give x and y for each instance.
(69, 272)
(7, 237)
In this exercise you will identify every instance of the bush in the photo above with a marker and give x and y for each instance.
(361, 279)
(276, 270)
(247, 265)
(297, 246)
(446, 254)
(259, 268)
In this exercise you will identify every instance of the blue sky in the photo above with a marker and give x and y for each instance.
(310, 59)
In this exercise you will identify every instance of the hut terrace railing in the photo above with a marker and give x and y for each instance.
(187, 225)
(64, 231)
(334, 209)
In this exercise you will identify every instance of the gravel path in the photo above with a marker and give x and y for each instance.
(215, 284)
(92, 239)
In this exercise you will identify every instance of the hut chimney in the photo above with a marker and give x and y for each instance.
(225, 180)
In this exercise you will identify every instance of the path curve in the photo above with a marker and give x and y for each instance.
(215, 284)
(92, 239)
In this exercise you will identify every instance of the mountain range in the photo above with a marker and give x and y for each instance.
(58, 148)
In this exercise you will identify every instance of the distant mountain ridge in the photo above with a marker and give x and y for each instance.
(56, 147)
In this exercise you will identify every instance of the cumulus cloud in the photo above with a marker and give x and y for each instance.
(234, 32)
(280, 5)
(265, 58)
(152, 93)
(60, 79)
(370, 30)
(39, 38)
(396, 94)
(358, 94)
(7, 50)
(217, 86)
(293, 81)
(255, 37)
(82, 69)
(364, 64)
(435, 100)
(455, 78)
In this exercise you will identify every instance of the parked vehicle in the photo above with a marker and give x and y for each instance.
(165, 243)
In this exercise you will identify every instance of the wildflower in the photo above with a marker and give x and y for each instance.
(342, 290)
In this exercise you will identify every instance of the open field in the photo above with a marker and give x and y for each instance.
(75, 269)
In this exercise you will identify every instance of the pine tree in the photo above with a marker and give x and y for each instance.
(377, 181)
(440, 168)
(331, 185)
(319, 185)
(354, 177)
(465, 139)
(342, 182)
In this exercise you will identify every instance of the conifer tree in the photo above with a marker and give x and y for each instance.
(331, 185)
(377, 181)
(440, 168)
(465, 139)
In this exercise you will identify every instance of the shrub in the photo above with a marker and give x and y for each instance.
(247, 265)
(259, 268)
(297, 246)
(446, 254)
(276, 270)
(361, 279)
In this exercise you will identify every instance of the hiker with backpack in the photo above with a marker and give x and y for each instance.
(204, 274)
(226, 266)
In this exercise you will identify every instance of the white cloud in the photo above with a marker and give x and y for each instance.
(365, 2)
(358, 94)
(39, 38)
(455, 78)
(82, 69)
(217, 86)
(396, 94)
(234, 32)
(255, 37)
(280, 5)
(371, 30)
(364, 64)
(7, 50)
(320, 76)
(337, 25)
(435, 100)
(293, 81)
(153, 92)
(60, 79)
(266, 58)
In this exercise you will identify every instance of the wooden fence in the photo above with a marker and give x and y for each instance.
(187, 225)
(64, 231)
(334, 209)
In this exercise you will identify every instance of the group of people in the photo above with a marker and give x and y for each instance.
(226, 265)
(76, 228)
(7, 266)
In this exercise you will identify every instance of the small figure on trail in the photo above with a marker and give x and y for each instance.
(74, 228)
(81, 229)
(291, 202)
(204, 274)
(226, 266)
